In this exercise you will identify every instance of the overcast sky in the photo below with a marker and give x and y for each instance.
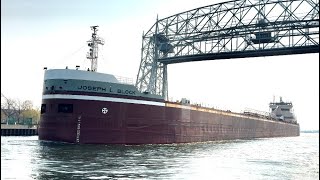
(53, 34)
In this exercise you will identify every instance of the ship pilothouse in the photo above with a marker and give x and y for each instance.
(282, 111)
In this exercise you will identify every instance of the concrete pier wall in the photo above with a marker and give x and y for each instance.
(18, 130)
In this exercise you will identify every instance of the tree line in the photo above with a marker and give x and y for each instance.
(15, 111)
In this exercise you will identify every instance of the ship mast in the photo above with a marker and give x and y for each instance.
(93, 51)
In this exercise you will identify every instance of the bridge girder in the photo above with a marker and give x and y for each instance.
(233, 29)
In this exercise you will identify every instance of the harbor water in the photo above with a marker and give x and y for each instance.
(266, 158)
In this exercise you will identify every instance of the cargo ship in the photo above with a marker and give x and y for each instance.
(88, 107)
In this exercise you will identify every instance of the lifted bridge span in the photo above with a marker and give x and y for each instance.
(233, 29)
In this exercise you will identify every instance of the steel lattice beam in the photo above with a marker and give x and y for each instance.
(233, 29)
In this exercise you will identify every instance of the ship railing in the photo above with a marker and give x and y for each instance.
(200, 105)
(258, 114)
(124, 80)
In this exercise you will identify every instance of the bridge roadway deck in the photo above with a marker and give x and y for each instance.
(242, 54)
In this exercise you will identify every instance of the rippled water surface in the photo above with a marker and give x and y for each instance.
(272, 158)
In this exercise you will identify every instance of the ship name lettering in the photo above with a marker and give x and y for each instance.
(92, 88)
(120, 91)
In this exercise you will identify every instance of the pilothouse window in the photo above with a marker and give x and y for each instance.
(65, 108)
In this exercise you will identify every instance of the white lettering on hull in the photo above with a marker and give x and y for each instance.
(78, 129)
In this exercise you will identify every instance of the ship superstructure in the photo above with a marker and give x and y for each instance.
(282, 111)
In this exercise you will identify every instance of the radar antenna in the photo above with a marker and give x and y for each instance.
(93, 51)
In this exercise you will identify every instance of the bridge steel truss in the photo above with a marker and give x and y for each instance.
(233, 29)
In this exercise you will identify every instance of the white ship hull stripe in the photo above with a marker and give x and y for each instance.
(99, 98)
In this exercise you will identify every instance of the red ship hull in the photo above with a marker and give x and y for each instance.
(132, 123)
